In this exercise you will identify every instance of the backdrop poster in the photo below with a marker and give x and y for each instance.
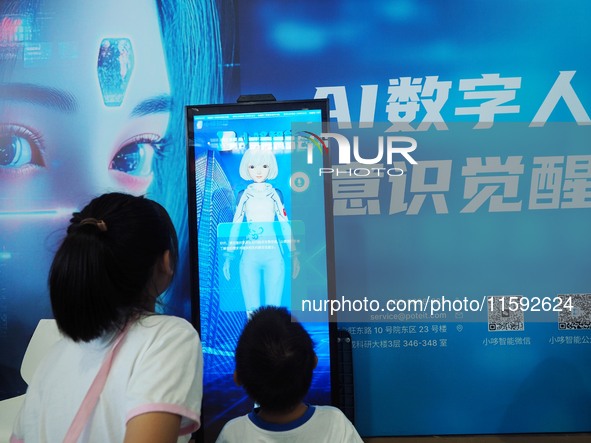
(493, 216)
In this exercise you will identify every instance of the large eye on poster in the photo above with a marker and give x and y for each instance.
(261, 234)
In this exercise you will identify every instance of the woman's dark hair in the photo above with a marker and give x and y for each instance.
(101, 275)
(275, 359)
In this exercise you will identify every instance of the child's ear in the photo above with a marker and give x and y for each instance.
(315, 361)
(236, 380)
(166, 264)
(163, 273)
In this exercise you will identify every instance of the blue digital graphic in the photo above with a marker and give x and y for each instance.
(497, 98)
(114, 68)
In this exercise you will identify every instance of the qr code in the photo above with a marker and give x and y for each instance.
(575, 312)
(505, 316)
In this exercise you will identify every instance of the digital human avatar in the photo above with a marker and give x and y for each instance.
(261, 234)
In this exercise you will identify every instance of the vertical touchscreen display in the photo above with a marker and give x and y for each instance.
(260, 236)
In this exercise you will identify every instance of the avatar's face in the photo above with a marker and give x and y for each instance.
(84, 105)
(258, 172)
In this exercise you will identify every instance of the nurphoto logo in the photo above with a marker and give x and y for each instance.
(389, 148)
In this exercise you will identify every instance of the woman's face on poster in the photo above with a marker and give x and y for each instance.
(84, 105)
(86, 102)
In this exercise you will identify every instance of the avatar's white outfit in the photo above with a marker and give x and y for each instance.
(259, 206)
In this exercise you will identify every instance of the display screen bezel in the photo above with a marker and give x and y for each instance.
(207, 434)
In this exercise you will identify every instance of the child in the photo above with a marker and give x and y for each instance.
(120, 373)
(275, 360)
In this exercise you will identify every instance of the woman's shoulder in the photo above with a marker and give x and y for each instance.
(161, 325)
(161, 334)
(162, 322)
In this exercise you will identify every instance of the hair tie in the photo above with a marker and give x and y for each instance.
(100, 224)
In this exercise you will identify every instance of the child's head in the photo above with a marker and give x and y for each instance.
(258, 159)
(275, 359)
(119, 254)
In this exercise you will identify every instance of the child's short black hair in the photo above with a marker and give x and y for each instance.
(275, 359)
(101, 274)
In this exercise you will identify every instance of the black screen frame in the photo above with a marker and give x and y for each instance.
(253, 107)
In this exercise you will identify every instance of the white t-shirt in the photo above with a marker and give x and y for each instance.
(159, 368)
(320, 424)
